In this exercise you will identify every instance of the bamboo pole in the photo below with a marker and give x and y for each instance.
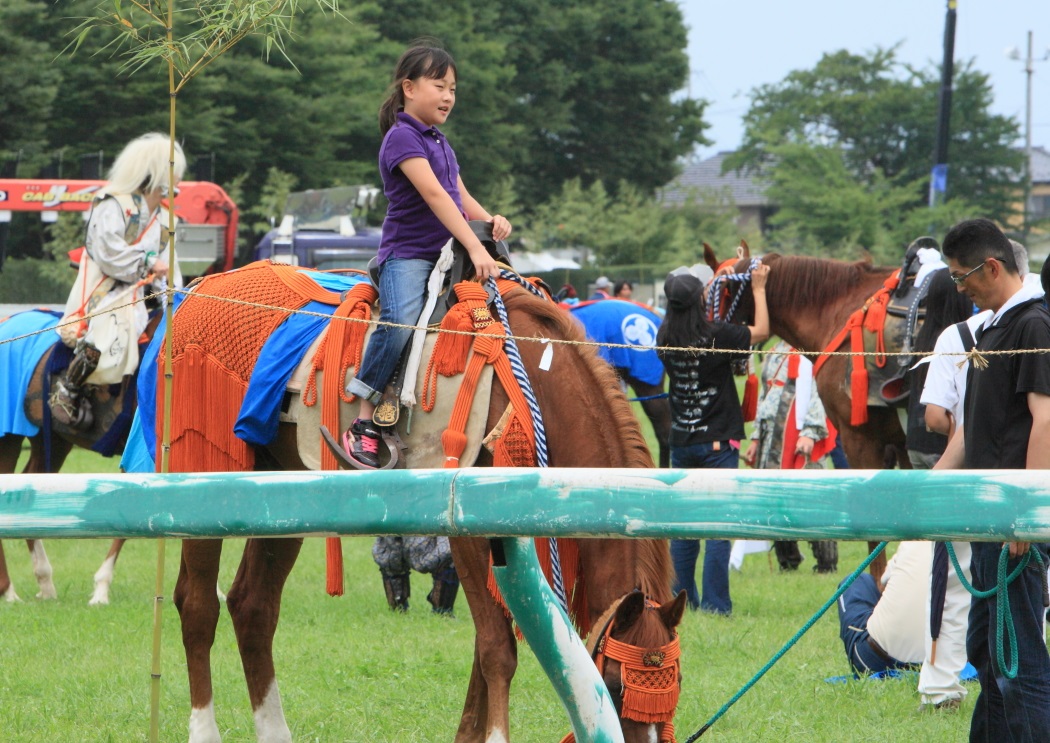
(169, 310)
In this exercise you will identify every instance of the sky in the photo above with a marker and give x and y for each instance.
(737, 45)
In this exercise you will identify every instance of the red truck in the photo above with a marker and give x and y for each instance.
(205, 238)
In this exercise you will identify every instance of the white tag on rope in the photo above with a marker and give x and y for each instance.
(548, 354)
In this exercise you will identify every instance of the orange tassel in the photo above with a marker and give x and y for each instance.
(859, 393)
(750, 405)
(453, 442)
(451, 349)
(333, 548)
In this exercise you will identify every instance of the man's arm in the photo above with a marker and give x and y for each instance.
(954, 454)
(1039, 438)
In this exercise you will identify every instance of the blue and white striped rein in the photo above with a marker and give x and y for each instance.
(518, 367)
(714, 290)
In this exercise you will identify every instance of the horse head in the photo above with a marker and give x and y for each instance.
(727, 295)
(636, 651)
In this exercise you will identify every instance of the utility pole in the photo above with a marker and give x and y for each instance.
(1029, 69)
(939, 175)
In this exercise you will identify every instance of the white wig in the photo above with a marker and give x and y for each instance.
(143, 165)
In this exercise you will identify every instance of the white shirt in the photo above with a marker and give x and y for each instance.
(946, 378)
(898, 623)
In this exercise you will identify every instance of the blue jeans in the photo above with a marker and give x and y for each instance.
(402, 290)
(1011, 710)
(684, 552)
(856, 605)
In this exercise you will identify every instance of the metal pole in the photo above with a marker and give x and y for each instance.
(1029, 69)
(939, 175)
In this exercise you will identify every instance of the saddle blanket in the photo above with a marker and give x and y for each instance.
(283, 366)
(19, 359)
(619, 321)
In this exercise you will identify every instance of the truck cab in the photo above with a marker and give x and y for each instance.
(324, 229)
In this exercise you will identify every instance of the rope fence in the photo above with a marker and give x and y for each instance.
(978, 358)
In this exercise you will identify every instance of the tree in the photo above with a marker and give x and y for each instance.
(594, 92)
(28, 85)
(866, 127)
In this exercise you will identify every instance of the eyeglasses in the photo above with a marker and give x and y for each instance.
(960, 279)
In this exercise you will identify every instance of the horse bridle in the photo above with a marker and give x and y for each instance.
(648, 678)
(719, 293)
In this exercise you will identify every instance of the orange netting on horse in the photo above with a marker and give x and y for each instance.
(215, 347)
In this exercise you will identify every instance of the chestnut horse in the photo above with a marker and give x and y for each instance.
(589, 423)
(26, 359)
(810, 300)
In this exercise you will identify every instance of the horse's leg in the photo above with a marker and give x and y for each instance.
(10, 450)
(486, 714)
(658, 410)
(254, 602)
(37, 463)
(104, 575)
(198, 608)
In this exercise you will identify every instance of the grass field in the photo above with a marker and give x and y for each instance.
(350, 670)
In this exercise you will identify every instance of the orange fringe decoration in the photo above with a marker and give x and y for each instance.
(872, 316)
(749, 406)
(215, 353)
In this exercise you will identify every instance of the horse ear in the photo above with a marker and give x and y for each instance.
(709, 257)
(744, 251)
(630, 609)
(673, 612)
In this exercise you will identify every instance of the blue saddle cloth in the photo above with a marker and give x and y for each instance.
(19, 359)
(259, 414)
(617, 321)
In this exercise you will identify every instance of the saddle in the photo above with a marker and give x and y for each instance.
(905, 312)
(874, 330)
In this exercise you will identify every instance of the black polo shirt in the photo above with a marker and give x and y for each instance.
(704, 404)
(998, 422)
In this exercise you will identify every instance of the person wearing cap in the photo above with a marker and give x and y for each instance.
(707, 424)
(601, 288)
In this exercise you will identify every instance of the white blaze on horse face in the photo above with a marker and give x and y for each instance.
(42, 571)
(654, 734)
(103, 580)
(270, 726)
(202, 725)
(496, 736)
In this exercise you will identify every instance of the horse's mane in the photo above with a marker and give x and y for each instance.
(805, 281)
(605, 381)
(652, 559)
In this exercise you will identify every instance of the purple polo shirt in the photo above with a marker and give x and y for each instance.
(411, 229)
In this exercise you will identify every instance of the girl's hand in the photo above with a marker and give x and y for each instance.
(759, 276)
(484, 265)
(500, 228)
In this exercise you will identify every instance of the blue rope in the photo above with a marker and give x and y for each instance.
(790, 643)
(518, 367)
(661, 396)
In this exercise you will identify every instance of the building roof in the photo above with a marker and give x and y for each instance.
(706, 175)
(1040, 165)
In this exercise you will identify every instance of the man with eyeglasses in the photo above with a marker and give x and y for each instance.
(1006, 425)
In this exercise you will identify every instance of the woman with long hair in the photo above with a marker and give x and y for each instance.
(707, 424)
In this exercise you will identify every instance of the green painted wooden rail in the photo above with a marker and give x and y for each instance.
(514, 503)
(805, 504)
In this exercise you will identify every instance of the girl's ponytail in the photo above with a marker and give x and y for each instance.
(388, 111)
